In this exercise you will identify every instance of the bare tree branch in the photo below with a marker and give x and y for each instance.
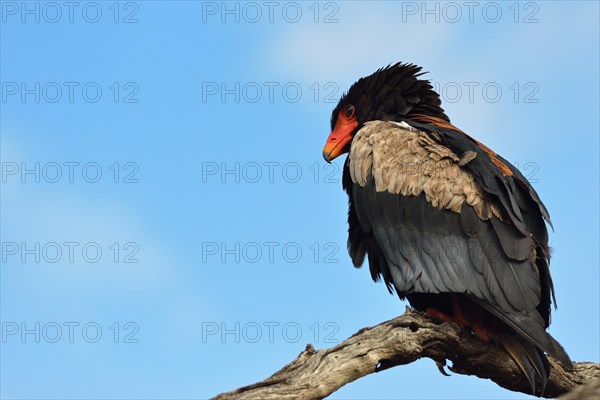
(403, 340)
(588, 391)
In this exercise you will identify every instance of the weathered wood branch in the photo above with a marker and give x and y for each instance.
(403, 340)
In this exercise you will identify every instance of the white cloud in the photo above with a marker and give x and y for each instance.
(362, 41)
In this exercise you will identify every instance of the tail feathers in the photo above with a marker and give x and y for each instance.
(530, 327)
(560, 354)
(531, 361)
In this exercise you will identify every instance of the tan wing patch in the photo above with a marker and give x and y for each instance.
(406, 161)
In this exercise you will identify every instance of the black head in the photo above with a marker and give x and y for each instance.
(392, 93)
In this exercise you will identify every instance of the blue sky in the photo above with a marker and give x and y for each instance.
(169, 228)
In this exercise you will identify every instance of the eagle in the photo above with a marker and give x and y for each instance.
(446, 222)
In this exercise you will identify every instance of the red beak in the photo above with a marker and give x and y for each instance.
(339, 138)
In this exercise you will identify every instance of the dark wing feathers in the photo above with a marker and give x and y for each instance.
(501, 263)
(515, 245)
(361, 242)
(533, 212)
(521, 209)
(528, 198)
(416, 238)
(518, 198)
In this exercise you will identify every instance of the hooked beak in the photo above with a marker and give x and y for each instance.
(338, 140)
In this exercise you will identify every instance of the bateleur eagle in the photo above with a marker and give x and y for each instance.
(450, 225)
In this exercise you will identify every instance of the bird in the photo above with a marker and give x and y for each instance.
(447, 223)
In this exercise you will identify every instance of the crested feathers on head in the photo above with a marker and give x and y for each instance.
(391, 93)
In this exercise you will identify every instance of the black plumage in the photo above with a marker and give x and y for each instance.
(490, 274)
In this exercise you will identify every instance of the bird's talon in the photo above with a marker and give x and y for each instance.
(441, 365)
